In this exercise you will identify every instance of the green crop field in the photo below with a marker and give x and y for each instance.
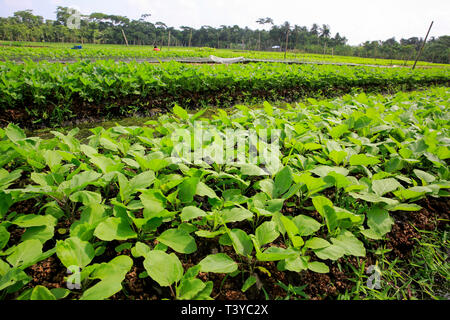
(245, 181)
(63, 52)
(43, 93)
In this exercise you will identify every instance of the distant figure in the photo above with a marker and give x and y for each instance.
(156, 48)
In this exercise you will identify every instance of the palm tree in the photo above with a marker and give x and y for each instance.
(314, 29)
(325, 31)
(263, 21)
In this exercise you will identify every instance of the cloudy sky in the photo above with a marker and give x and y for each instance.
(358, 20)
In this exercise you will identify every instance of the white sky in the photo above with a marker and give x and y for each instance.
(357, 20)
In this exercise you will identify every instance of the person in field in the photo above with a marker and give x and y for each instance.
(155, 48)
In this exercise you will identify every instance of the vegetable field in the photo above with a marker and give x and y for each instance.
(37, 94)
(355, 205)
(21, 51)
(258, 181)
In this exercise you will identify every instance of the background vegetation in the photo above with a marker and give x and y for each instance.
(107, 29)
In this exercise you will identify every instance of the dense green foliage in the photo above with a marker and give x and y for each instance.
(50, 93)
(345, 165)
(107, 29)
(22, 51)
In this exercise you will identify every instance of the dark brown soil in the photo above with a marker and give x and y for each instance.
(49, 273)
(404, 235)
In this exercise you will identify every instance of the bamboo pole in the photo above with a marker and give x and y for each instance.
(190, 39)
(125, 37)
(287, 42)
(168, 42)
(423, 45)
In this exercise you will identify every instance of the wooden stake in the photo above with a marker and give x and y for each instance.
(125, 37)
(423, 45)
(259, 41)
(287, 42)
(190, 39)
(168, 42)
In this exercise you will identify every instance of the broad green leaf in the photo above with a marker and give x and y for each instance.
(114, 229)
(4, 237)
(350, 244)
(140, 250)
(275, 254)
(86, 197)
(251, 280)
(12, 277)
(191, 213)
(325, 207)
(383, 186)
(106, 164)
(25, 252)
(210, 234)
(6, 202)
(6, 178)
(189, 289)
(306, 225)
(53, 159)
(371, 234)
(338, 131)
(268, 108)
(60, 293)
(187, 189)
(82, 180)
(332, 252)
(292, 231)
(320, 202)
(153, 201)
(32, 220)
(252, 170)
(41, 233)
(404, 207)
(242, 243)
(41, 293)
(371, 197)
(318, 267)
(337, 156)
(424, 176)
(14, 133)
(363, 160)
(411, 193)
(180, 113)
(75, 252)
(179, 240)
(296, 264)
(323, 171)
(111, 275)
(166, 269)
(266, 186)
(218, 263)
(379, 221)
(283, 181)
(317, 243)
(236, 215)
(141, 181)
(266, 233)
(204, 191)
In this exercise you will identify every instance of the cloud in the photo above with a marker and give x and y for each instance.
(18, 5)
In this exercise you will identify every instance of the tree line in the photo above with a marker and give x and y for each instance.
(110, 29)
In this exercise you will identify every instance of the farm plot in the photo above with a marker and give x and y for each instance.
(24, 51)
(133, 216)
(50, 93)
